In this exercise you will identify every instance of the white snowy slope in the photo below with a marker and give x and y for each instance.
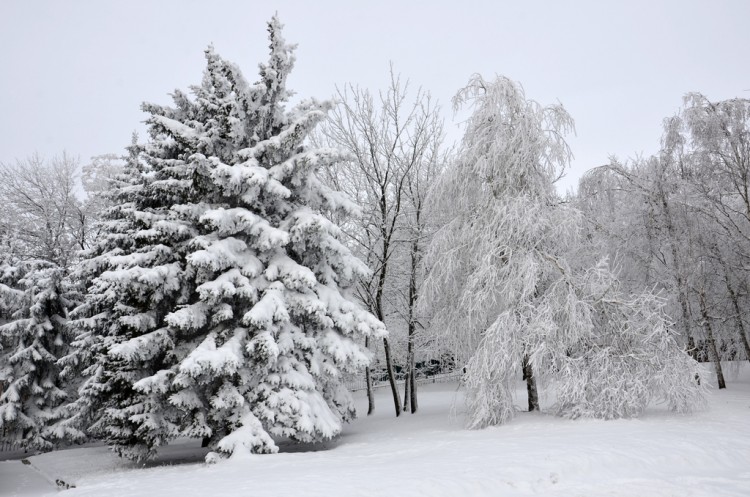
(430, 454)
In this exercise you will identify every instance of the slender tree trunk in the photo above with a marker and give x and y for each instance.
(407, 388)
(711, 342)
(368, 383)
(411, 385)
(531, 390)
(410, 392)
(413, 390)
(381, 316)
(392, 377)
(409, 379)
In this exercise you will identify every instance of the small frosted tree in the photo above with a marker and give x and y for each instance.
(503, 290)
(220, 306)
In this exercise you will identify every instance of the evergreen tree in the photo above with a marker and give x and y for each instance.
(219, 307)
(103, 316)
(39, 233)
(32, 295)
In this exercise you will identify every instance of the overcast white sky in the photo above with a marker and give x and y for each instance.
(75, 72)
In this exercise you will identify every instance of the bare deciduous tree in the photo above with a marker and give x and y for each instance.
(393, 142)
(41, 208)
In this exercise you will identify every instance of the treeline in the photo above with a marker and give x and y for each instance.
(228, 276)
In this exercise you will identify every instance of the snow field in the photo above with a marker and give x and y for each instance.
(430, 454)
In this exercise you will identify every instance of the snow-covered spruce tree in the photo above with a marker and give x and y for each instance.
(33, 295)
(122, 276)
(229, 317)
(501, 285)
(10, 300)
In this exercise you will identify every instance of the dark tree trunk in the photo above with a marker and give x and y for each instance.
(392, 377)
(368, 384)
(531, 390)
(713, 352)
(410, 385)
(413, 390)
(381, 316)
(407, 388)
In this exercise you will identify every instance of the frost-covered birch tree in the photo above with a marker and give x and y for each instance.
(503, 229)
(677, 221)
(659, 188)
(506, 294)
(718, 134)
(220, 305)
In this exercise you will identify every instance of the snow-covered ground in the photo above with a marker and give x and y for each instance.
(430, 454)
